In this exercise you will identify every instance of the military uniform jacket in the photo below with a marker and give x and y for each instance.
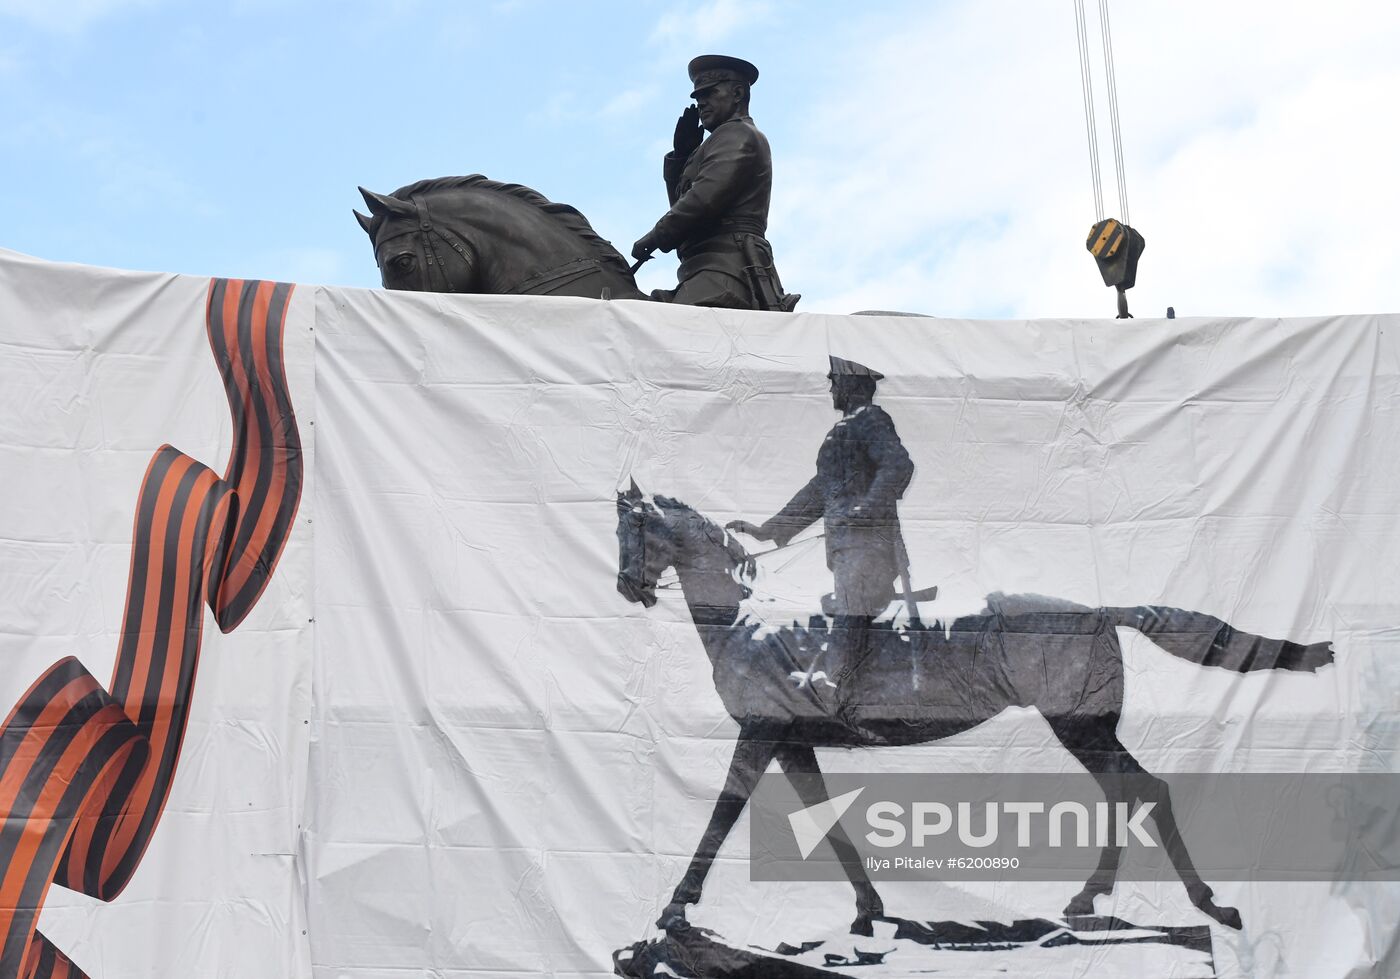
(721, 189)
(861, 463)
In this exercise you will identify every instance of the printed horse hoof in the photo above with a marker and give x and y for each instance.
(1082, 904)
(1227, 916)
(864, 926)
(673, 919)
(1204, 900)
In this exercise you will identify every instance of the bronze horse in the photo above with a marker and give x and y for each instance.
(1061, 658)
(475, 235)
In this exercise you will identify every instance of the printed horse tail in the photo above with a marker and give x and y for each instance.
(1208, 641)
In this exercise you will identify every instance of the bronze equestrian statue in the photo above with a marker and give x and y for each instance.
(476, 235)
(719, 188)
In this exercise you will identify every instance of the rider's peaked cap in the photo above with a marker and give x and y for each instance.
(850, 368)
(711, 69)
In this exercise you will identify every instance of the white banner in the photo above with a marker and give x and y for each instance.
(456, 736)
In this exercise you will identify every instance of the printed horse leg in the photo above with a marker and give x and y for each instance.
(751, 758)
(1150, 788)
(1094, 742)
(1105, 875)
(799, 763)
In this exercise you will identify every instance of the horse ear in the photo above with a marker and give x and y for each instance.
(625, 500)
(381, 205)
(366, 222)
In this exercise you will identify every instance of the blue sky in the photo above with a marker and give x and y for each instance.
(928, 155)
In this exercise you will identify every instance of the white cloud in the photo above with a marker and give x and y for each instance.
(71, 17)
(951, 174)
(709, 23)
(628, 101)
(307, 265)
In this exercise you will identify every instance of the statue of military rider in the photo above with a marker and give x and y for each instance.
(719, 190)
(862, 471)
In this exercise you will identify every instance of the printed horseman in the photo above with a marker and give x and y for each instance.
(719, 190)
(863, 470)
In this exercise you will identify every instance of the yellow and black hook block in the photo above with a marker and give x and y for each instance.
(1116, 248)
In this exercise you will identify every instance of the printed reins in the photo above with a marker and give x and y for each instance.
(672, 579)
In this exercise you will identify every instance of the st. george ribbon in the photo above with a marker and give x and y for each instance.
(85, 770)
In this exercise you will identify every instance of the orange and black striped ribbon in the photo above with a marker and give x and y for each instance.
(85, 770)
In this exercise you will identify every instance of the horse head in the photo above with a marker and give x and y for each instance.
(414, 253)
(646, 546)
(476, 235)
(660, 533)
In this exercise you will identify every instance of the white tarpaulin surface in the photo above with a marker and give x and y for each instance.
(444, 744)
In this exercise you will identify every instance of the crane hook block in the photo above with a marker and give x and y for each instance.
(1116, 248)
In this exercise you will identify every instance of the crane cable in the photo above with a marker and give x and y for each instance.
(1090, 121)
(1111, 79)
(1087, 90)
(1115, 244)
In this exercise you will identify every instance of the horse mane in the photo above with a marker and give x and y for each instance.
(571, 218)
(671, 503)
(713, 531)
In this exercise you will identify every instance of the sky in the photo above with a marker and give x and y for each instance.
(929, 156)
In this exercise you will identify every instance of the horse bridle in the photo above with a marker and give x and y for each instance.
(532, 285)
(431, 235)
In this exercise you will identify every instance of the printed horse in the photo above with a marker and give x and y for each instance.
(474, 235)
(1061, 658)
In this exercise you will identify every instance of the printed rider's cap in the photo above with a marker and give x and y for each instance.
(851, 369)
(840, 366)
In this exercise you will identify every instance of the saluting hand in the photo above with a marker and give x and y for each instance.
(689, 132)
